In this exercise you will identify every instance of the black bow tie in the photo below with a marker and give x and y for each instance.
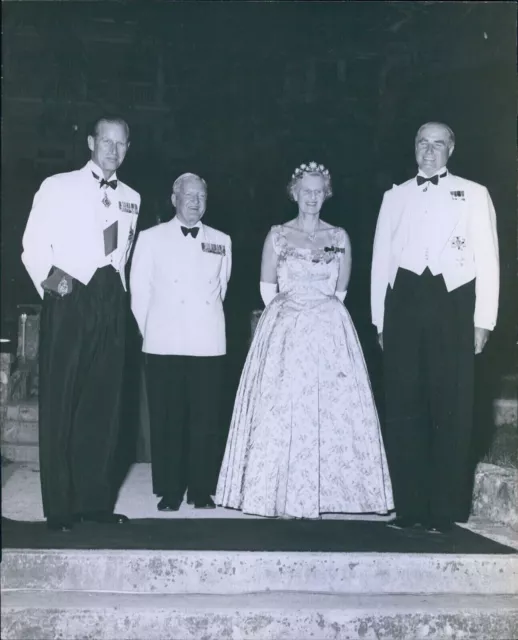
(434, 179)
(108, 183)
(193, 231)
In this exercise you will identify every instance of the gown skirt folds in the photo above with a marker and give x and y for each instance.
(305, 436)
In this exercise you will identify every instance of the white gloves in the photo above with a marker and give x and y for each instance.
(268, 292)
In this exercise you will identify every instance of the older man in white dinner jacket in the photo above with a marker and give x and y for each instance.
(178, 283)
(434, 300)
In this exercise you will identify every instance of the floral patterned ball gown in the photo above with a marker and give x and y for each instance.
(305, 436)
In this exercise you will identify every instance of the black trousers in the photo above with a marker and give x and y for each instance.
(81, 367)
(184, 394)
(428, 341)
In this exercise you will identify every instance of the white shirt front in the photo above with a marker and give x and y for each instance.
(429, 219)
(107, 212)
(191, 246)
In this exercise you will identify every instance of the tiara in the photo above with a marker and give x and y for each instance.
(311, 167)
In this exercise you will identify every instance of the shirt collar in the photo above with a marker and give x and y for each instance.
(180, 224)
(438, 172)
(98, 171)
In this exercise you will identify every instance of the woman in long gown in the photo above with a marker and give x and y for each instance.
(305, 436)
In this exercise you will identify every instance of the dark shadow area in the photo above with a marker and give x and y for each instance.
(229, 534)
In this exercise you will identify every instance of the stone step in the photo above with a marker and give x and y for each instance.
(509, 386)
(505, 412)
(258, 616)
(221, 572)
(28, 453)
(17, 432)
(495, 494)
(26, 411)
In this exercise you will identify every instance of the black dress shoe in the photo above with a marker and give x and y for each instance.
(204, 503)
(102, 517)
(191, 500)
(169, 504)
(439, 526)
(403, 523)
(57, 524)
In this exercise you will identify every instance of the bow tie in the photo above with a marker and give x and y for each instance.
(108, 183)
(193, 231)
(434, 179)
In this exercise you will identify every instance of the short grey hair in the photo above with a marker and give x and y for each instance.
(178, 183)
(449, 130)
(292, 184)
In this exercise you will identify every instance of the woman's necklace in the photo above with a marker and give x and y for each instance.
(310, 234)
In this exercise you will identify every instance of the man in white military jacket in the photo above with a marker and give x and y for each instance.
(75, 247)
(178, 282)
(434, 299)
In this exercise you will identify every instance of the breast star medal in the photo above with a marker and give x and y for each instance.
(106, 201)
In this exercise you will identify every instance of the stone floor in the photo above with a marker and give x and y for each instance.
(21, 497)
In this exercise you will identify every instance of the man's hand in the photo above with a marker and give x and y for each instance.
(380, 340)
(481, 337)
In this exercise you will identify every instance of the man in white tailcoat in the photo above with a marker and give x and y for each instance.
(178, 282)
(75, 247)
(434, 300)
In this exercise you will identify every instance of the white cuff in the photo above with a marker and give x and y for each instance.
(268, 292)
(341, 295)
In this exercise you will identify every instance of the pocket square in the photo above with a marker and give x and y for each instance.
(58, 283)
(213, 248)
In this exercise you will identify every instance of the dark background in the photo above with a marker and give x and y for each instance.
(241, 93)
